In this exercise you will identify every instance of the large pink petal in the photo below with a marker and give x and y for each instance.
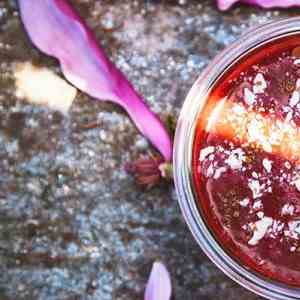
(56, 29)
(226, 4)
(159, 284)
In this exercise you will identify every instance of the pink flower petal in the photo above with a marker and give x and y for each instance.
(226, 4)
(159, 284)
(56, 29)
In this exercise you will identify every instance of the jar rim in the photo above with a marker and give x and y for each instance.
(182, 158)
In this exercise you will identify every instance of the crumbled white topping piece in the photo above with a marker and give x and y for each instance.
(210, 171)
(294, 229)
(256, 188)
(235, 159)
(234, 162)
(238, 109)
(294, 99)
(277, 227)
(255, 134)
(296, 226)
(254, 175)
(219, 172)
(260, 84)
(287, 209)
(205, 152)
(245, 227)
(297, 61)
(260, 214)
(298, 83)
(254, 130)
(290, 234)
(261, 227)
(293, 249)
(257, 205)
(297, 184)
(267, 164)
(267, 147)
(289, 117)
(287, 165)
(244, 202)
(249, 97)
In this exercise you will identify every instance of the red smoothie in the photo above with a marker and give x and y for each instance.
(246, 160)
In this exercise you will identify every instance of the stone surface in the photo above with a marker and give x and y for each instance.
(73, 225)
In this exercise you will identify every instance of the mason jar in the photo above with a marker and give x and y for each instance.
(253, 41)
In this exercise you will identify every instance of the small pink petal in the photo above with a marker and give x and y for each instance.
(226, 4)
(159, 284)
(56, 29)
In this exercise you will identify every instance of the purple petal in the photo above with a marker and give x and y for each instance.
(159, 284)
(226, 4)
(56, 29)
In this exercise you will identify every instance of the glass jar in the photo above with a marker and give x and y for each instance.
(183, 150)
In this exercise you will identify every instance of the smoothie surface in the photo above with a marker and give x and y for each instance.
(246, 161)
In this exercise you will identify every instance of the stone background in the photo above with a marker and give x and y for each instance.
(73, 224)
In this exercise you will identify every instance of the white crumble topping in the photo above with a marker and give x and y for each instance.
(297, 62)
(294, 230)
(255, 134)
(267, 164)
(267, 147)
(260, 214)
(244, 202)
(254, 130)
(249, 97)
(297, 184)
(261, 227)
(294, 99)
(219, 172)
(238, 109)
(256, 188)
(289, 117)
(245, 227)
(211, 157)
(287, 209)
(205, 152)
(235, 159)
(257, 205)
(210, 171)
(260, 84)
(277, 227)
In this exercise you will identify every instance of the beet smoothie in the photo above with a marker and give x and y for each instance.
(246, 161)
